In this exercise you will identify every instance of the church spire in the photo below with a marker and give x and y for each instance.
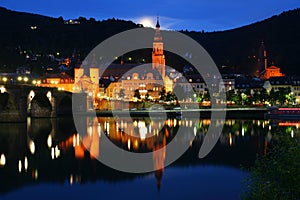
(157, 23)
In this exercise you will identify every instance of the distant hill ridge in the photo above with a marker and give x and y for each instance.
(236, 49)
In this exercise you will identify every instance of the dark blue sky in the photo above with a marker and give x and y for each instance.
(208, 15)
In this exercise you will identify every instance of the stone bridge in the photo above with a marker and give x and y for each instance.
(17, 102)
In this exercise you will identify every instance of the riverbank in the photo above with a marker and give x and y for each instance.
(246, 113)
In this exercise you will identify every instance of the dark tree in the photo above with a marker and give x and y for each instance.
(137, 94)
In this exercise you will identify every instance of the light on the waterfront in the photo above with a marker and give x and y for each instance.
(49, 95)
(25, 79)
(195, 131)
(34, 82)
(2, 89)
(4, 79)
(19, 78)
(292, 133)
(2, 160)
(243, 131)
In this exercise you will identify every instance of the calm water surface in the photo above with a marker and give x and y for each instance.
(47, 159)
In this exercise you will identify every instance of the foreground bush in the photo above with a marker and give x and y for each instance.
(276, 175)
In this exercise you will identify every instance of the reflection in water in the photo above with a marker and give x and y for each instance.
(51, 149)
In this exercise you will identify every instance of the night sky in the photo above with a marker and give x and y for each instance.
(208, 15)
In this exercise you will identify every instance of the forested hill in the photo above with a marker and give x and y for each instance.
(236, 49)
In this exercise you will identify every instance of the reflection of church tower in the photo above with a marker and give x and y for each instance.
(159, 156)
(158, 58)
(263, 62)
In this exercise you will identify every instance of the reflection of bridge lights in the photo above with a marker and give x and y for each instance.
(26, 163)
(230, 139)
(243, 131)
(195, 131)
(2, 160)
(292, 133)
(71, 179)
(35, 174)
(55, 152)
(20, 166)
(49, 141)
(31, 146)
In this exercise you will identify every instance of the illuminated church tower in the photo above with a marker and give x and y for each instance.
(158, 57)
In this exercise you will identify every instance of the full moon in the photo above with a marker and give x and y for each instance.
(147, 22)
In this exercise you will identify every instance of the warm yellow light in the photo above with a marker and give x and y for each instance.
(4, 79)
(2, 89)
(2, 160)
(19, 78)
(25, 79)
(128, 144)
(34, 82)
(26, 164)
(31, 146)
(49, 141)
(20, 166)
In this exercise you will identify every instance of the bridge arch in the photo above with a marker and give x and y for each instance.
(40, 106)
